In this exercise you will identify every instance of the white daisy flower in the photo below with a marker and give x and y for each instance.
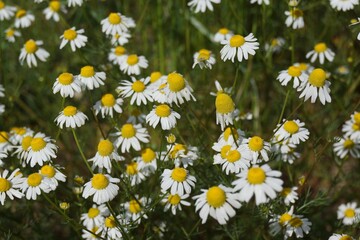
(120, 39)
(70, 117)
(41, 150)
(34, 184)
(178, 180)
(345, 146)
(22, 150)
(290, 195)
(322, 52)
(239, 46)
(23, 19)
(75, 37)
(225, 107)
(177, 89)
(131, 135)
(163, 114)
(304, 67)
(67, 85)
(278, 222)
(336, 236)
(284, 151)
(52, 174)
(31, 51)
(348, 213)
(292, 130)
(5, 145)
(231, 134)
(275, 45)
(298, 225)
(91, 233)
(174, 202)
(11, 34)
(135, 116)
(218, 202)
(258, 148)
(116, 23)
(102, 186)
(316, 85)
(105, 153)
(344, 5)
(74, 3)
(204, 58)
(147, 161)
(18, 133)
(182, 154)
(134, 174)
(292, 73)
(95, 216)
(110, 228)
(52, 11)
(135, 208)
(223, 34)
(351, 128)
(263, 182)
(132, 64)
(202, 5)
(107, 105)
(294, 18)
(266, 2)
(138, 90)
(10, 185)
(6, 12)
(117, 55)
(91, 79)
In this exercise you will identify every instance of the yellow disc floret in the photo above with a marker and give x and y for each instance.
(177, 148)
(66, 78)
(119, 50)
(70, 34)
(48, 171)
(317, 77)
(256, 175)
(296, 13)
(224, 151)
(132, 168)
(128, 130)
(284, 218)
(215, 197)
(132, 59)
(320, 47)
(233, 156)
(148, 155)
(204, 54)
(105, 147)
(176, 82)
(34, 179)
(30, 46)
(230, 131)
(87, 71)
(2, 4)
(114, 18)
(5, 184)
(256, 143)
(349, 213)
(349, 144)
(4, 136)
(291, 127)
(55, 5)
(163, 110)
(294, 71)
(224, 103)
(134, 206)
(223, 31)
(20, 13)
(179, 174)
(26, 142)
(346, 237)
(110, 222)
(174, 199)
(357, 117)
(296, 222)
(108, 100)
(37, 144)
(10, 32)
(93, 212)
(285, 192)
(237, 41)
(138, 86)
(154, 76)
(99, 181)
(70, 111)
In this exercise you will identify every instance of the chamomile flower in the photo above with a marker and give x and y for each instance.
(107, 105)
(174, 202)
(231, 135)
(337, 236)
(105, 153)
(292, 130)
(116, 23)
(263, 182)
(91, 79)
(132, 64)
(275, 45)
(225, 107)
(134, 173)
(305, 67)
(70, 117)
(6, 12)
(110, 229)
(348, 213)
(10, 185)
(117, 55)
(266, 2)
(5, 145)
(292, 73)
(182, 154)
(120, 39)
(147, 161)
(223, 34)
(74, 37)
(290, 195)
(95, 216)
(316, 85)
(204, 58)
(202, 5)
(344, 5)
(41, 150)
(52, 11)
(284, 150)
(67, 85)
(23, 19)
(294, 18)
(177, 89)
(278, 222)
(351, 128)
(347, 146)
(31, 51)
(54, 175)
(164, 114)
(22, 150)
(131, 135)
(218, 202)
(298, 225)
(356, 22)
(322, 52)
(138, 90)
(135, 208)
(74, 3)
(34, 184)
(103, 187)
(239, 46)
(258, 148)
(178, 180)
(91, 233)
(18, 133)
(135, 116)
(11, 34)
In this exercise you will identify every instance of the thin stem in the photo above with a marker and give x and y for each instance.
(81, 152)
(283, 107)
(122, 230)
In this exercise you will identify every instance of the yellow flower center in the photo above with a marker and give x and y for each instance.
(30, 46)
(128, 130)
(320, 47)
(37, 144)
(317, 77)
(163, 110)
(291, 127)
(179, 174)
(132, 59)
(99, 181)
(256, 175)
(34, 179)
(66, 78)
(285, 192)
(356, 126)
(256, 143)
(70, 34)
(237, 41)
(134, 206)
(303, 66)
(296, 222)
(87, 71)
(114, 18)
(138, 86)
(357, 117)
(346, 237)
(19, 131)
(204, 54)
(48, 171)
(4, 184)
(4, 136)
(233, 156)
(230, 131)
(55, 5)
(284, 219)
(349, 213)
(70, 111)
(215, 197)
(26, 142)
(294, 71)
(296, 13)
(223, 31)
(224, 151)
(174, 199)
(93, 212)
(10, 32)
(348, 144)
(20, 13)
(176, 82)
(119, 50)
(105, 147)
(132, 168)
(224, 103)
(154, 76)
(274, 42)
(178, 147)
(2, 4)
(108, 100)
(110, 222)
(148, 155)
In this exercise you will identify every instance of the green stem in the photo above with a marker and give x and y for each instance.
(81, 152)
(283, 107)
(122, 230)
